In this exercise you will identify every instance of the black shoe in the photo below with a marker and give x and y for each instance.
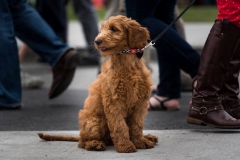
(87, 61)
(10, 108)
(90, 58)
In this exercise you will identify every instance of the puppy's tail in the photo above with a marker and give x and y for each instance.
(48, 137)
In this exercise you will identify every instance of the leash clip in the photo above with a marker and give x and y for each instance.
(149, 44)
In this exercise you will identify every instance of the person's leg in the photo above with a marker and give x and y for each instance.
(173, 80)
(87, 16)
(180, 23)
(230, 89)
(220, 47)
(165, 13)
(115, 7)
(180, 28)
(23, 50)
(39, 36)
(174, 53)
(10, 86)
(36, 33)
(55, 14)
(28, 81)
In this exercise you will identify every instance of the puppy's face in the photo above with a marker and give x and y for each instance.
(120, 33)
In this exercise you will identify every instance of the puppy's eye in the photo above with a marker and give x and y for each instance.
(113, 29)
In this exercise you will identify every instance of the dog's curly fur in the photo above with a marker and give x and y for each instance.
(117, 102)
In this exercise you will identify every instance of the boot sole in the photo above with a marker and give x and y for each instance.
(200, 122)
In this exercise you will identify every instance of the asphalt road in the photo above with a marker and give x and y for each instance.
(39, 113)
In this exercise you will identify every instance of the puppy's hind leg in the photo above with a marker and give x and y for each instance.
(95, 145)
(152, 138)
(94, 133)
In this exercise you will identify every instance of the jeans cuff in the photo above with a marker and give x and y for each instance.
(65, 51)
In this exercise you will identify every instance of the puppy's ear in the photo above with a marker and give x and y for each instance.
(137, 35)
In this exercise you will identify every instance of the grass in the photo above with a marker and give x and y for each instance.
(193, 14)
(199, 14)
(72, 15)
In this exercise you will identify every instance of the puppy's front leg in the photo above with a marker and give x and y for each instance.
(119, 131)
(135, 123)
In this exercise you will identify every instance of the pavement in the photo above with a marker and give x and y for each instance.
(177, 139)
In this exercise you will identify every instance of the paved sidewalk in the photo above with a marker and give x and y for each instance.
(173, 145)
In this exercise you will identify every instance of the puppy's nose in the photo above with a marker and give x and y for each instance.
(98, 42)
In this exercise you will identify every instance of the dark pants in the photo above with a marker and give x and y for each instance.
(54, 13)
(174, 53)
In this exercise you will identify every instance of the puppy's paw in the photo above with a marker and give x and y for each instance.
(152, 138)
(95, 145)
(125, 147)
(143, 143)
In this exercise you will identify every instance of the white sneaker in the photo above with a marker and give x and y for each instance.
(30, 82)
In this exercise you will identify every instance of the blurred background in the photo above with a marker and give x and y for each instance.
(201, 11)
(197, 22)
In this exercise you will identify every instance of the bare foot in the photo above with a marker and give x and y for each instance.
(154, 88)
(161, 103)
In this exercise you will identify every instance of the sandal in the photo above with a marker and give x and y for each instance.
(162, 106)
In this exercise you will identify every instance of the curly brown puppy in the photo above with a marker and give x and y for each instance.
(117, 102)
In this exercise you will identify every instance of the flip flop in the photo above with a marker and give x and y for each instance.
(162, 106)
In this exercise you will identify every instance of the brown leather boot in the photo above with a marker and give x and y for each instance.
(230, 89)
(63, 73)
(206, 107)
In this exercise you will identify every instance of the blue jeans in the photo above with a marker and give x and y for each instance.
(17, 18)
(173, 52)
